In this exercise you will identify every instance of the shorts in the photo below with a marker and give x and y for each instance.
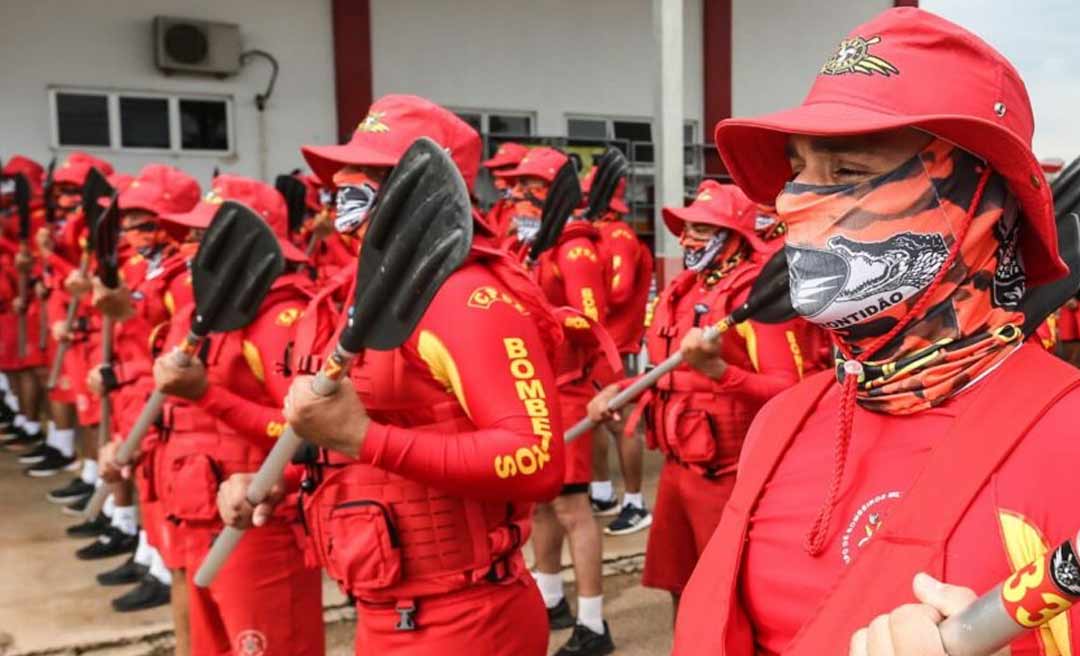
(687, 511)
(579, 452)
(489, 620)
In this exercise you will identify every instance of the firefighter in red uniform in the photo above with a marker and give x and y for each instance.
(508, 155)
(917, 215)
(572, 274)
(698, 420)
(223, 417)
(22, 392)
(453, 431)
(630, 270)
(140, 307)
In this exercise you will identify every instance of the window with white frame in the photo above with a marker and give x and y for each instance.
(499, 122)
(141, 121)
(637, 132)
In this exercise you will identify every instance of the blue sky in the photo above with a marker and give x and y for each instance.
(1042, 39)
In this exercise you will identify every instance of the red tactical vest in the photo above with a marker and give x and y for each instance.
(385, 538)
(687, 420)
(711, 620)
(626, 322)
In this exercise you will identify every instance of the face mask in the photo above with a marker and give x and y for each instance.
(861, 252)
(355, 198)
(699, 253)
(144, 237)
(528, 206)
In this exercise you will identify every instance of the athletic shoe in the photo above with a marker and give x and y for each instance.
(20, 440)
(113, 542)
(560, 617)
(36, 455)
(74, 491)
(91, 528)
(604, 508)
(53, 463)
(128, 573)
(585, 642)
(631, 519)
(150, 593)
(77, 508)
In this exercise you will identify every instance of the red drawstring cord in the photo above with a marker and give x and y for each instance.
(814, 543)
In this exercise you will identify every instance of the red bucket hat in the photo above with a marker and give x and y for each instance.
(31, 170)
(542, 162)
(260, 197)
(509, 153)
(721, 205)
(911, 68)
(618, 200)
(393, 123)
(160, 189)
(77, 166)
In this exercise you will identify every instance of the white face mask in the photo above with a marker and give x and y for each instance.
(696, 259)
(353, 205)
(527, 228)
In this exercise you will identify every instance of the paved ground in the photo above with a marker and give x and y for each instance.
(50, 604)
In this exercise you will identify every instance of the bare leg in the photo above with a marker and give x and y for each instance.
(547, 537)
(62, 414)
(574, 513)
(631, 457)
(29, 391)
(179, 604)
(600, 469)
(123, 493)
(88, 440)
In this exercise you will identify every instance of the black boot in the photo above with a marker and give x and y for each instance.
(128, 573)
(584, 642)
(150, 593)
(113, 542)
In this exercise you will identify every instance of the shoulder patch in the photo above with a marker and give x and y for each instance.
(484, 297)
(288, 317)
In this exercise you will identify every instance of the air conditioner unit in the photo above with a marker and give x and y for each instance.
(185, 45)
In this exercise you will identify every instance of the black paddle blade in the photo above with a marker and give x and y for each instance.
(106, 245)
(563, 197)
(1043, 300)
(611, 168)
(22, 205)
(420, 232)
(1066, 180)
(95, 188)
(238, 260)
(47, 190)
(295, 194)
(770, 297)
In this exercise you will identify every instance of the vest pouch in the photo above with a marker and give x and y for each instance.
(193, 483)
(362, 546)
(691, 432)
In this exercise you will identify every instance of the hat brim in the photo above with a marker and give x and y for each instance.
(325, 161)
(500, 160)
(137, 198)
(525, 171)
(754, 153)
(675, 218)
(200, 217)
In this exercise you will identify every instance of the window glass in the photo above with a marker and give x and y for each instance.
(475, 120)
(204, 125)
(144, 122)
(517, 125)
(82, 119)
(586, 128)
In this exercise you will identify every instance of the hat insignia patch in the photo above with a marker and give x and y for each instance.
(853, 56)
(373, 123)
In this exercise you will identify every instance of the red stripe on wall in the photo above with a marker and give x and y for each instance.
(716, 23)
(352, 63)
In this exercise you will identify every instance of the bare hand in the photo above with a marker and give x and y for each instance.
(237, 511)
(40, 290)
(44, 240)
(19, 304)
(60, 332)
(185, 382)
(911, 629)
(115, 303)
(76, 283)
(23, 261)
(94, 382)
(108, 469)
(322, 225)
(598, 407)
(337, 422)
(702, 354)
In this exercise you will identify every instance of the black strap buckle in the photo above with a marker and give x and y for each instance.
(109, 381)
(406, 611)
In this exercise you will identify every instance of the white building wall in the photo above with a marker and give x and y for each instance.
(109, 44)
(554, 58)
(778, 46)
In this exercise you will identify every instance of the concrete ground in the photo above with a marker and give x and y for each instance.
(50, 604)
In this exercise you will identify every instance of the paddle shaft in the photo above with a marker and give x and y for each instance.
(69, 323)
(712, 333)
(272, 469)
(105, 424)
(1029, 598)
(24, 285)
